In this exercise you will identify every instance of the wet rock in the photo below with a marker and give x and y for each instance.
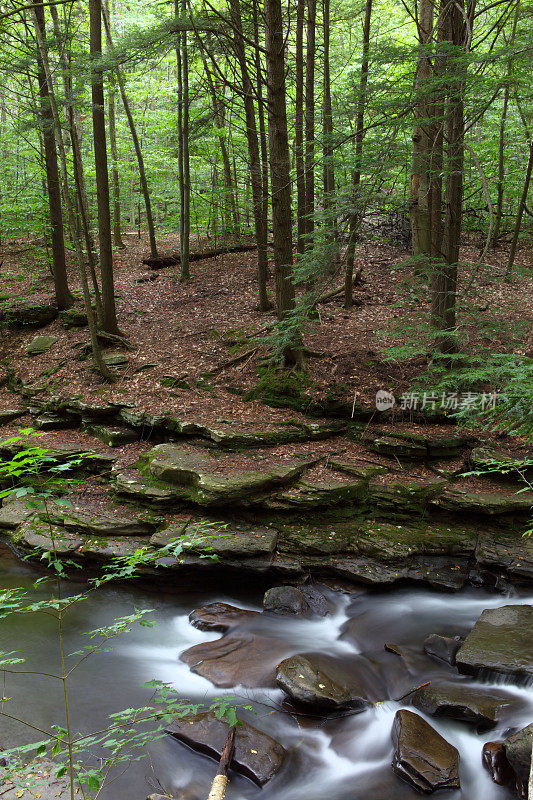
(257, 755)
(413, 659)
(422, 757)
(40, 345)
(111, 436)
(317, 602)
(202, 481)
(220, 617)
(237, 659)
(518, 752)
(500, 641)
(325, 684)
(495, 761)
(285, 600)
(442, 648)
(483, 707)
(506, 549)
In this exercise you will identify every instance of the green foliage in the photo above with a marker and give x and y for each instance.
(129, 732)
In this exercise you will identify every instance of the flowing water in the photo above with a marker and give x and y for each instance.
(339, 759)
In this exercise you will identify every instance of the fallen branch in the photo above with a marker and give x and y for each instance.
(174, 260)
(220, 782)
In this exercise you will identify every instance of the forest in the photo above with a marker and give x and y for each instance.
(266, 399)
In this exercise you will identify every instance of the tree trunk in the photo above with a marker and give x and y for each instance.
(420, 190)
(254, 158)
(109, 314)
(280, 178)
(262, 126)
(136, 143)
(220, 125)
(330, 221)
(186, 226)
(63, 296)
(501, 138)
(310, 125)
(520, 213)
(77, 162)
(115, 183)
(356, 174)
(445, 286)
(99, 364)
(299, 127)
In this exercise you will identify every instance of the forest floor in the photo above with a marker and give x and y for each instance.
(200, 332)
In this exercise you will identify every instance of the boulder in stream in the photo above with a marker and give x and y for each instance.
(482, 707)
(422, 757)
(325, 684)
(220, 617)
(518, 752)
(237, 659)
(442, 648)
(500, 641)
(285, 600)
(257, 755)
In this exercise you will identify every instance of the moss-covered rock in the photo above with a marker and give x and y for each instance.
(110, 435)
(404, 497)
(322, 494)
(500, 641)
(134, 486)
(13, 514)
(492, 504)
(40, 345)
(38, 536)
(10, 414)
(29, 315)
(96, 524)
(411, 450)
(506, 548)
(202, 483)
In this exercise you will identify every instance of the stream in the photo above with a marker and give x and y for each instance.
(346, 758)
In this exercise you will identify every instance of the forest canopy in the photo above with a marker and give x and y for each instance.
(302, 132)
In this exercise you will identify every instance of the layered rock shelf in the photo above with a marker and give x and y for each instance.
(328, 499)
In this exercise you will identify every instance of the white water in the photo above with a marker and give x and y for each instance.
(337, 759)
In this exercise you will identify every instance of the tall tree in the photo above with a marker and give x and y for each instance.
(299, 126)
(109, 314)
(310, 124)
(63, 296)
(253, 156)
(280, 175)
(355, 214)
(135, 139)
(453, 28)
